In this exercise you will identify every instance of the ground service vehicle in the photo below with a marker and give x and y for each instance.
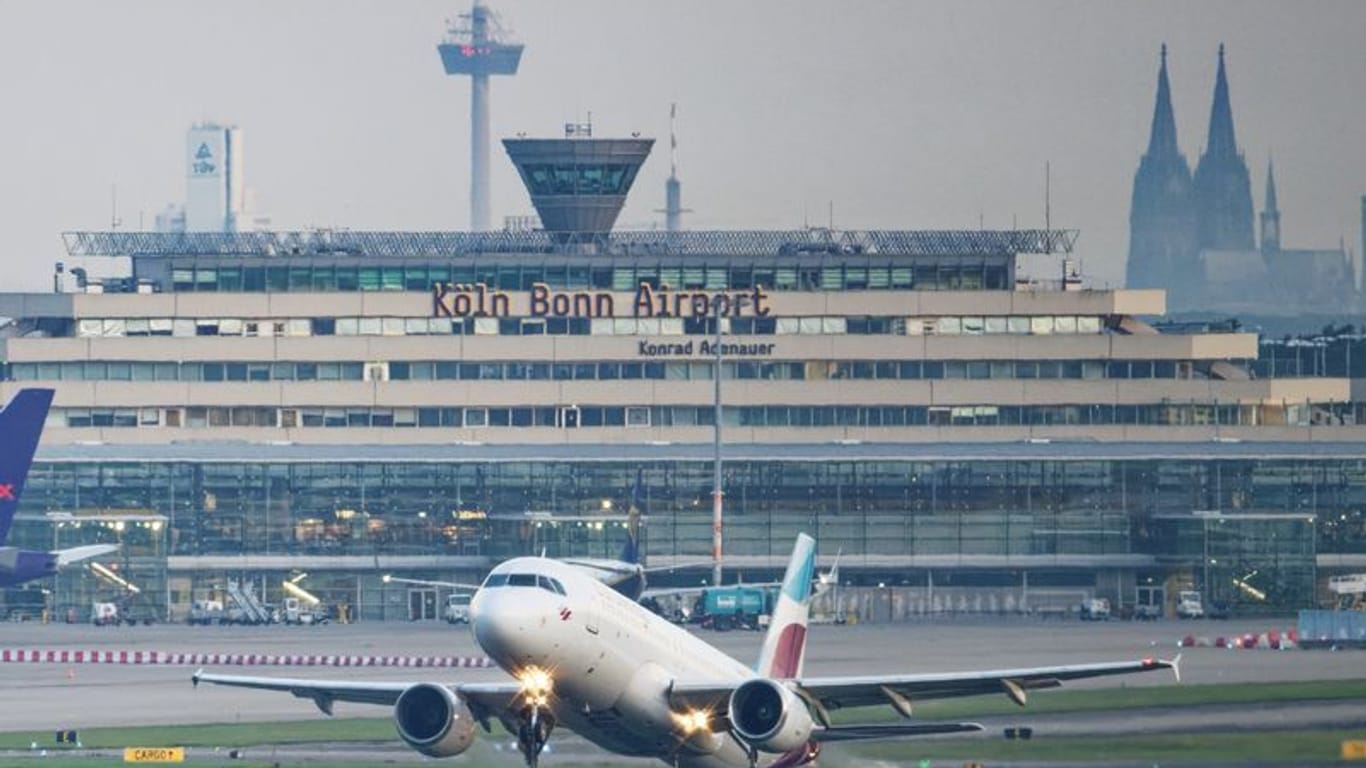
(457, 609)
(1190, 605)
(206, 612)
(1095, 609)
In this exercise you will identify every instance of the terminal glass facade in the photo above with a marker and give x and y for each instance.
(1256, 522)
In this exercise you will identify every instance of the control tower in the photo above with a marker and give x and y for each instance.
(476, 47)
(578, 184)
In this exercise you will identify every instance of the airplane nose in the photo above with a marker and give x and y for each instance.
(510, 625)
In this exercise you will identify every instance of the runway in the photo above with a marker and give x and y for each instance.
(85, 695)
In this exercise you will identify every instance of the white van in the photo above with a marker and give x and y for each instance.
(457, 608)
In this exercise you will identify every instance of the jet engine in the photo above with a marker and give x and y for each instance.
(433, 720)
(769, 716)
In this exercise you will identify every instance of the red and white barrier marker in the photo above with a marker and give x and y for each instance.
(1274, 639)
(164, 658)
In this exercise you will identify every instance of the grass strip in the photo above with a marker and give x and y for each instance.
(381, 729)
(322, 731)
(1264, 747)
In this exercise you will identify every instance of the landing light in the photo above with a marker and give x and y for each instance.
(536, 685)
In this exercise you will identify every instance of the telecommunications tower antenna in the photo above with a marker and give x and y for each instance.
(477, 46)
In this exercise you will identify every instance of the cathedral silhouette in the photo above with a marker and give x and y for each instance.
(1192, 234)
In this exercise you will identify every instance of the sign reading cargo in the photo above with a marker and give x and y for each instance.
(478, 300)
(154, 755)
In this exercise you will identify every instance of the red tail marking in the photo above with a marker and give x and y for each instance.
(7, 491)
(788, 654)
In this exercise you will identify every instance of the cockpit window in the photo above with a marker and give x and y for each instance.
(524, 580)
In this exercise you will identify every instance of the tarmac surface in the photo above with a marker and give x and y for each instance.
(44, 696)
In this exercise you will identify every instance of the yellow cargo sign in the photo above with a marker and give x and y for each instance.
(154, 755)
(1354, 750)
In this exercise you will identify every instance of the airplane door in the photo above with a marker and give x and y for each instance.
(421, 604)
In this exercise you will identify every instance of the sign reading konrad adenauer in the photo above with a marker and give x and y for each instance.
(478, 300)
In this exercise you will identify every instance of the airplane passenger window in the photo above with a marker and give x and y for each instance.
(522, 580)
(496, 580)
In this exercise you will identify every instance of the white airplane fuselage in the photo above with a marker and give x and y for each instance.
(612, 661)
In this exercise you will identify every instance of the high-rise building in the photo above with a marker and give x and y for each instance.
(1161, 217)
(214, 191)
(1222, 188)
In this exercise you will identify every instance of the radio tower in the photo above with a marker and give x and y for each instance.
(673, 188)
(476, 47)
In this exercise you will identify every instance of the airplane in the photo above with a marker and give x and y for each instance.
(21, 425)
(590, 659)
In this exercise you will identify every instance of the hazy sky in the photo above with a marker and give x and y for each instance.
(903, 114)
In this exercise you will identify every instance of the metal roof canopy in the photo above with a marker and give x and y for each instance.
(635, 453)
(929, 242)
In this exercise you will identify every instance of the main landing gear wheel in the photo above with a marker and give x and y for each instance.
(533, 731)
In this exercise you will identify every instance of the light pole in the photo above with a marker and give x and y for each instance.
(716, 493)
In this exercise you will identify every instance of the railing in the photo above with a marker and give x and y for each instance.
(455, 244)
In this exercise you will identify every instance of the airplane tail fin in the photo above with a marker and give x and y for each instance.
(785, 644)
(21, 424)
(630, 550)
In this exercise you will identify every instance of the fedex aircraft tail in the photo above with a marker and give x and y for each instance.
(21, 424)
(785, 644)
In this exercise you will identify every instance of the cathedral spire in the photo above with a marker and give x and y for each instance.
(1161, 215)
(1271, 215)
(1271, 187)
(1223, 188)
(1221, 140)
(1162, 140)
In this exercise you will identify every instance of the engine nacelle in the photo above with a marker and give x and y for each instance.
(769, 716)
(433, 720)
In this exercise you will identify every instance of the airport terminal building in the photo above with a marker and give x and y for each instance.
(350, 404)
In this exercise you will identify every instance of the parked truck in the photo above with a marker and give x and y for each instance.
(735, 607)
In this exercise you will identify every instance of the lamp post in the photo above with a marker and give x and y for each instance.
(716, 493)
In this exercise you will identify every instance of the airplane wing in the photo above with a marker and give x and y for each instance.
(902, 691)
(456, 585)
(879, 731)
(485, 700)
(77, 554)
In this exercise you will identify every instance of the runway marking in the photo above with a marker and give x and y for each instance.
(170, 658)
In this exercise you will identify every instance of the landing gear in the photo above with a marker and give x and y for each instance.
(533, 731)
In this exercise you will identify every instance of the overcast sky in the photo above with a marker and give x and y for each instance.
(902, 114)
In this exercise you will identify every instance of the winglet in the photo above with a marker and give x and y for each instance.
(1176, 667)
(195, 677)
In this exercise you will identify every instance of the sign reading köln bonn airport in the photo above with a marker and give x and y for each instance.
(458, 300)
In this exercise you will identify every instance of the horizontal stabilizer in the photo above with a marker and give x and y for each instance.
(891, 731)
(77, 554)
